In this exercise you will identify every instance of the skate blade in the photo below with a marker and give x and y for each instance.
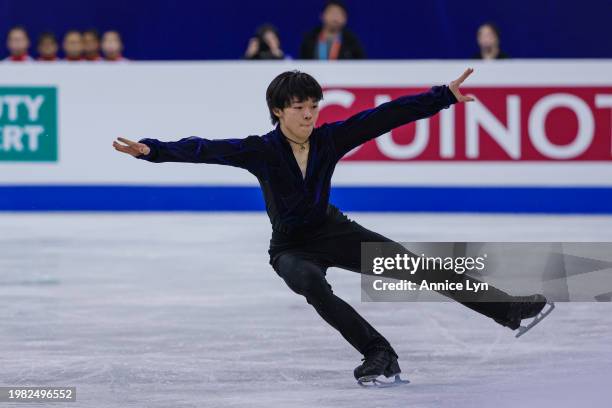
(372, 381)
(540, 316)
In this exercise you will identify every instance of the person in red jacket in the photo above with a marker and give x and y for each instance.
(73, 46)
(112, 46)
(47, 47)
(18, 44)
(91, 45)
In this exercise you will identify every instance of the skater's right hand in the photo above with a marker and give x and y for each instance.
(132, 148)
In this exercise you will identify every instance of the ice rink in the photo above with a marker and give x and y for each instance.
(183, 310)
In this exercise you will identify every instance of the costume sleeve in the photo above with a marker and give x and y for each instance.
(243, 153)
(372, 123)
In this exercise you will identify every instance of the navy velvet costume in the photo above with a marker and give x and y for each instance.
(308, 234)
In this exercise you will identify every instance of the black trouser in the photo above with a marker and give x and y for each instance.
(303, 266)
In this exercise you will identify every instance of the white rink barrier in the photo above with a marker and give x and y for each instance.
(538, 139)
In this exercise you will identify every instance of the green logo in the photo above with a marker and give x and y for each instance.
(28, 124)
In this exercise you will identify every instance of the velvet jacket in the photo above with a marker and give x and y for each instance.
(295, 203)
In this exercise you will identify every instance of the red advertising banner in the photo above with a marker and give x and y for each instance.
(504, 124)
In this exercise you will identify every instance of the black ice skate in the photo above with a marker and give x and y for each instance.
(526, 307)
(376, 363)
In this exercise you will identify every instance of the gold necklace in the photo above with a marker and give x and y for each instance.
(302, 147)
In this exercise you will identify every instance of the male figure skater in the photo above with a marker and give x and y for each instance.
(294, 165)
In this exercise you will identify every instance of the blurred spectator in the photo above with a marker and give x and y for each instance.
(18, 43)
(265, 45)
(91, 45)
(47, 47)
(112, 46)
(332, 40)
(73, 46)
(488, 42)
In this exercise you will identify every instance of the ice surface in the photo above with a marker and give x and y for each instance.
(183, 310)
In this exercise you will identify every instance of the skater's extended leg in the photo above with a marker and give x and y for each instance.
(307, 278)
(345, 252)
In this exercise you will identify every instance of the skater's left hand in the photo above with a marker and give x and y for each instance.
(454, 86)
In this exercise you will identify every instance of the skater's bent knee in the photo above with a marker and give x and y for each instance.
(303, 277)
(313, 284)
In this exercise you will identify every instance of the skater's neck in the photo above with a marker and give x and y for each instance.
(294, 136)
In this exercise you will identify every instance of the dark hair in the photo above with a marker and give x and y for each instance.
(47, 35)
(493, 27)
(72, 31)
(18, 28)
(288, 86)
(338, 3)
(93, 32)
(259, 33)
(113, 32)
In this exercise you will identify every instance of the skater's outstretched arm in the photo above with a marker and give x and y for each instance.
(232, 152)
(372, 123)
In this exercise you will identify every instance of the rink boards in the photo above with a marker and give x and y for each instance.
(538, 139)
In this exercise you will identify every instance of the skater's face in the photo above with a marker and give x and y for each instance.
(299, 117)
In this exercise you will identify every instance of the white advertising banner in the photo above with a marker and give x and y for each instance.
(543, 123)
